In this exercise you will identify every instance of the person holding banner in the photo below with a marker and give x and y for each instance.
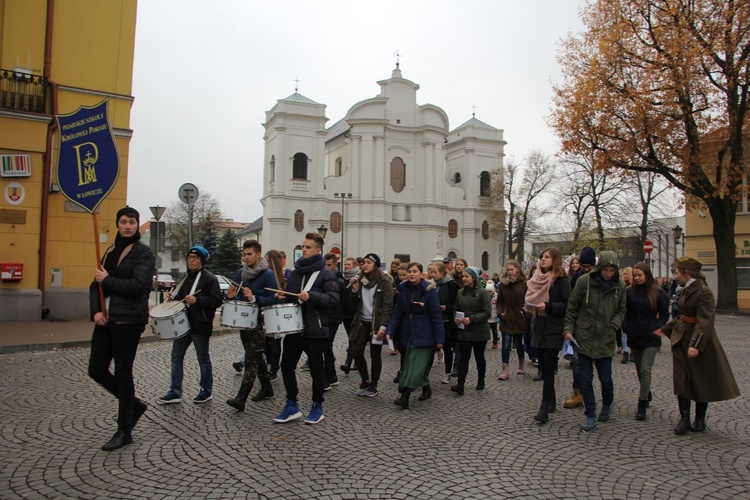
(125, 279)
(314, 288)
(201, 293)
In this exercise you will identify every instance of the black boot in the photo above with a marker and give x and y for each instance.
(699, 425)
(426, 393)
(120, 439)
(403, 401)
(265, 392)
(551, 406)
(238, 401)
(640, 413)
(397, 378)
(684, 424)
(625, 358)
(542, 415)
(538, 376)
(458, 388)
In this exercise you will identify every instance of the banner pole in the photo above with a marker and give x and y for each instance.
(102, 303)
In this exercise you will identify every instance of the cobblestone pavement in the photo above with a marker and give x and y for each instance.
(484, 444)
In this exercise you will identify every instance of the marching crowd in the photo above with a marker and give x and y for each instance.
(448, 311)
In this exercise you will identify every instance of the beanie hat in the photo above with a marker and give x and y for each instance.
(375, 258)
(588, 257)
(201, 252)
(128, 212)
(689, 264)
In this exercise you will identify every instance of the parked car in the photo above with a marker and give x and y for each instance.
(224, 284)
(164, 282)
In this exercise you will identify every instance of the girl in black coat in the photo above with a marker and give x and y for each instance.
(648, 311)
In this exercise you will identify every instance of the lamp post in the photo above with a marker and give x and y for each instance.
(677, 233)
(343, 197)
(322, 230)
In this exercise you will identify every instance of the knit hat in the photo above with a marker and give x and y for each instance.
(689, 264)
(201, 252)
(588, 257)
(128, 212)
(375, 258)
(473, 272)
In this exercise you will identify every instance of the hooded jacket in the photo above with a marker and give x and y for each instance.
(596, 311)
(381, 309)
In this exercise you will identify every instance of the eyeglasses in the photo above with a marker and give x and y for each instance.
(193, 257)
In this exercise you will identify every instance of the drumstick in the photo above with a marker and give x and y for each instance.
(238, 285)
(283, 291)
(194, 293)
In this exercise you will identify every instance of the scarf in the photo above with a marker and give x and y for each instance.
(110, 262)
(309, 266)
(350, 273)
(250, 273)
(445, 279)
(538, 290)
(509, 281)
(370, 282)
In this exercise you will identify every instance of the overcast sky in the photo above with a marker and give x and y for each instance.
(206, 72)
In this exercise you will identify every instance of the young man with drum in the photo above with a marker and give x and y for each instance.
(314, 288)
(125, 279)
(201, 293)
(256, 278)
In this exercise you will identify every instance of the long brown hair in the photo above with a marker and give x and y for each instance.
(652, 287)
(571, 272)
(517, 265)
(274, 262)
(558, 271)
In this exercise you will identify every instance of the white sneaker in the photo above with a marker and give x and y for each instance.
(446, 379)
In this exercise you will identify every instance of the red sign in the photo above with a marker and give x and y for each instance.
(648, 247)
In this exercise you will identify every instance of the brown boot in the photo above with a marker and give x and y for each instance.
(575, 401)
(521, 367)
(505, 373)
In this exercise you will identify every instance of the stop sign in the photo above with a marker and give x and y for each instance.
(648, 247)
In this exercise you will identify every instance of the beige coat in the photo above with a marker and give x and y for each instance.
(708, 377)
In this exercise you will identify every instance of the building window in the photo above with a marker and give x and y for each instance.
(452, 228)
(456, 178)
(299, 220)
(485, 260)
(299, 166)
(403, 257)
(338, 167)
(398, 174)
(335, 222)
(484, 184)
(452, 255)
(272, 165)
(175, 255)
(743, 207)
(486, 230)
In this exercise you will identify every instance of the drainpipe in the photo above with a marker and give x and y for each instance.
(47, 170)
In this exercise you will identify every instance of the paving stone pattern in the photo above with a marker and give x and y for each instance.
(482, 445)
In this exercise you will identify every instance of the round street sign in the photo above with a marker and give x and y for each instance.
(648, 247)
(188, 193)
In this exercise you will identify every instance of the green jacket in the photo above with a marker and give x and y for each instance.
(479, 310)
(594, 314)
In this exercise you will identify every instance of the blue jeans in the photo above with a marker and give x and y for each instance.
(179, 348)
(517, 341)
(604, 370)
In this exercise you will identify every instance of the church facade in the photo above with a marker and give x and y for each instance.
(390, 177)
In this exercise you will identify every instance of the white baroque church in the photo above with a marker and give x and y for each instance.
(390, 177)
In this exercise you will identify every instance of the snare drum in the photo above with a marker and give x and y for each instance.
(238, 314)
(170, 320)
(282, 319)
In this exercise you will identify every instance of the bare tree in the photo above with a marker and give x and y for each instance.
(206, 216)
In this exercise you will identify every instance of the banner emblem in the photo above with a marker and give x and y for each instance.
(88, 164)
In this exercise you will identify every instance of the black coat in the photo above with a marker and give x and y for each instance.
(201, 314)
(547, 331)
(128, 288)
(324, 296)
(641, 321)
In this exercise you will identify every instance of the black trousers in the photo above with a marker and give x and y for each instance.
(294, 345)
(465, 347)
(118, 342)
(548, 365)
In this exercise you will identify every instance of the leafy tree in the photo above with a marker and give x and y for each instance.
(226, 256)
(662, 86)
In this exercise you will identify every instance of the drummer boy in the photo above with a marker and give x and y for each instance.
(257, 282)
(201, 293)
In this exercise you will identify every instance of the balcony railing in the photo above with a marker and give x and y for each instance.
(22, 91)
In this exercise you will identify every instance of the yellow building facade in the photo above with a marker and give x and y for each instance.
(56, 56)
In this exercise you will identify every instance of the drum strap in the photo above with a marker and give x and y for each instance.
(307, 285)
(195, 284)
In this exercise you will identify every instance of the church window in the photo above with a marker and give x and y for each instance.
(273, 167)
(335, 222)
(484, 184)
(299, 220)
(486, 230)
(338, 167)
(452, 228)
(398, 174)
(456, 178)
(485, 260)
(299, 166)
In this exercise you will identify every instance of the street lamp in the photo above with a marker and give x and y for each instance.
(343, 197)
(677, 233)
(322, 230)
